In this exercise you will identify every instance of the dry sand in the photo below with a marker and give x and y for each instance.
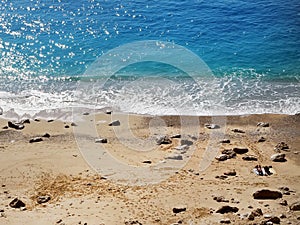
(57, 168)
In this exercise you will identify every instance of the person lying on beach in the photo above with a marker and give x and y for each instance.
(258, 170)
(262, 171)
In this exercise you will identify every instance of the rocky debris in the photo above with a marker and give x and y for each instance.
(235, 201)
(249, 158)
(295, 206)
(244, 216)
(279, 157)
(182, 148)
(186, 142)
(179, 209)
(37, 120)
(225, 221)
(222, 157)
(176, 136)
(133, 222)
(101, 140)
(255, 213)
(222, 177)
(272, 220)
(1, 111)
(35, 139)
(17, 126)
(227, 209)
(267, 194)
(163, 140)
(225, 141)
(229, 152)
(230, 173)
(175, 157)
(43, 199)
(16, 203)
(283, 202)
(67, 126)
(25, 121)
(261, 139)
(108, 112)
(240, 150)
(46, 135)
(285, 190)
(86, 113)
(220, 199)
(5, 127)
(74, 124)
(262, 124)
(238, 131)
(282, 216)
(211, 126)
(114, 123)
(281, 146)
(193, 137)
(267, 216)
(50, 121)
(147, 162)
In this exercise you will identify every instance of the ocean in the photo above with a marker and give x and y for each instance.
(251, 50)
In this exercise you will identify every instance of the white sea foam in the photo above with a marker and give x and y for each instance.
(157, 96)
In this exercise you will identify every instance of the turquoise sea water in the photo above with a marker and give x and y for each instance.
(252, 48)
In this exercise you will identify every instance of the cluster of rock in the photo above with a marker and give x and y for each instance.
(231, 153)
(17, 125)
(262, 194)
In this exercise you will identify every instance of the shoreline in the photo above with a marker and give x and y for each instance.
(56, 168)
(67, 114)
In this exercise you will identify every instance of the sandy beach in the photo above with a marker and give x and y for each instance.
(55, 178)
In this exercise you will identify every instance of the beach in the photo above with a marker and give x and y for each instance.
(149, 112)
(57, 182)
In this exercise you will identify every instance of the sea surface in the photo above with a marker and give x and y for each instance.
(252, 49)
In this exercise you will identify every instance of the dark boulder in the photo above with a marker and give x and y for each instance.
(17, 126)
(267, 194)
(212, 126)
(250, 158)
(179, 209)
(176, 136)
(35, 139)
(164, 139)
(295, 206)
(46, 135)
(262, 124)
(238, 131)
(16, 203)
(279, 157)
(186, 142)
(101, 140)
(114, 123)
(225, 141)
(43, 199)
(227, 209)
(281, 146)
(239, 150)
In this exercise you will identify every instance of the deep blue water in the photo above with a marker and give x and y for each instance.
(252, 48)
